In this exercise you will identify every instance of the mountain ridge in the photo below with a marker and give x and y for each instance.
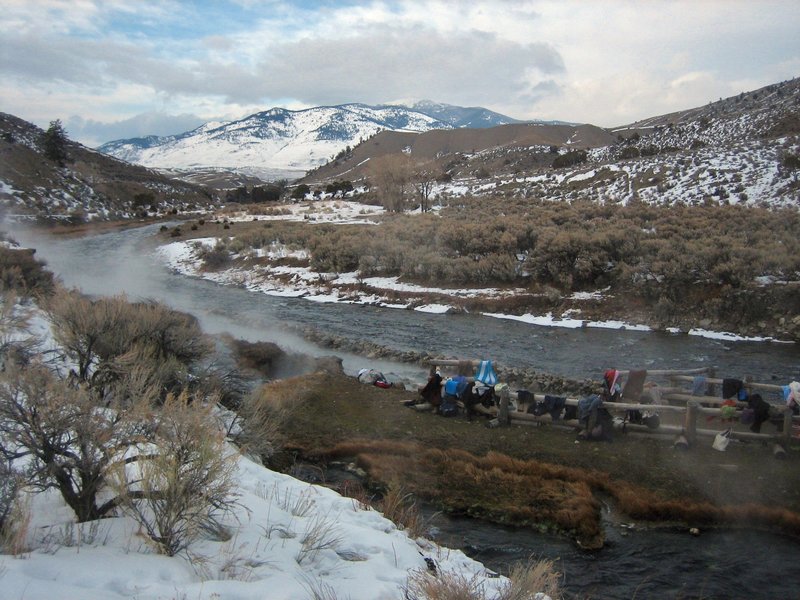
(290, 142)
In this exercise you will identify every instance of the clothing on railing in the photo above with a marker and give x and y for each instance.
(486, 374)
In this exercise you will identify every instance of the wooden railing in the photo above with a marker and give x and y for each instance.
(677, 401)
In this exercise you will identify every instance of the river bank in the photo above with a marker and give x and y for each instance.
(631, 518)
(278, 270)
(209, 249)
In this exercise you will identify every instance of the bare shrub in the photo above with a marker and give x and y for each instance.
(215, 258)
(15, 343)
(108, 337)
(184, 484)
(83, 327)
(70, 443)
(20, 271)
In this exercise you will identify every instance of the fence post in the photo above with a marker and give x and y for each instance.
(787, 425)
(502, 412)
(690, 422)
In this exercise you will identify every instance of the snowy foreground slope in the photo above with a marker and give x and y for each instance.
(364, 555)
(285, 540)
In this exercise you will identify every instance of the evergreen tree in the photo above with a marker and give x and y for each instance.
(55, 142)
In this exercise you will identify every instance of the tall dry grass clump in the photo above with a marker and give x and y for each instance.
(15, 512)
(401, 508)
(264, 411)
(183, 481)
(449, 585)
(532, 581)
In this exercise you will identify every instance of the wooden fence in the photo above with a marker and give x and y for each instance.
(690, 411)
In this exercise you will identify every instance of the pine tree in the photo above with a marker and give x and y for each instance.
(55, 142)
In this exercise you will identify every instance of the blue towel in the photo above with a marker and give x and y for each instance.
(699, 386)
(486, 374)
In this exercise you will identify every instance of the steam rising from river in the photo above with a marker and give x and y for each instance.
(124, 263)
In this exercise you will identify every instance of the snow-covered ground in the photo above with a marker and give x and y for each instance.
(288, 540)
(268, 555)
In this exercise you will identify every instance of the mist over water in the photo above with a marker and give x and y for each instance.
(639, 564)
(125, 262)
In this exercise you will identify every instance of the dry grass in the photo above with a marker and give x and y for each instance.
(321, 533)
(525, 582)
(533, 493)
(537, 577)
(423, 585)
(14, 535)
(401, 508)
(264, 413)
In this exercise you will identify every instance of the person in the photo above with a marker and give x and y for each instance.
(611, 386)
(431, 392)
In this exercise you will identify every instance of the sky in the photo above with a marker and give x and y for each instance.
(114, 69)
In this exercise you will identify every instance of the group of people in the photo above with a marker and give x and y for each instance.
(447, 395)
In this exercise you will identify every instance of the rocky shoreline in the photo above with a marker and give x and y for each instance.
(523, 378)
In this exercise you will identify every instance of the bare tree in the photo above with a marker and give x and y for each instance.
(424, 180)
(391, 176)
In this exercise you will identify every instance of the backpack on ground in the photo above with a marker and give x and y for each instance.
(449, 406)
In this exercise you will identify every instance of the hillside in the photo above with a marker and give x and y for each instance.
(731, 151)
(444, 150)
(87, 186)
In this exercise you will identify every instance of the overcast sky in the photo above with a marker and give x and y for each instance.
(112, 69)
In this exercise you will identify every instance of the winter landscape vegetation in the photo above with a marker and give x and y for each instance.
(146, 456)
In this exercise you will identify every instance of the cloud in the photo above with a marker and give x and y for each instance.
(95, 133)
(109, 62)
(394, 62)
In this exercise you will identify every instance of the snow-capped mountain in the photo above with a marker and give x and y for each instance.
(273, 143)
(474, 117)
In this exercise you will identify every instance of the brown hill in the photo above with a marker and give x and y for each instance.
(87, 185)
(441, 146)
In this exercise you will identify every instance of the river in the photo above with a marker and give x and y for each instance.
(641, 564)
